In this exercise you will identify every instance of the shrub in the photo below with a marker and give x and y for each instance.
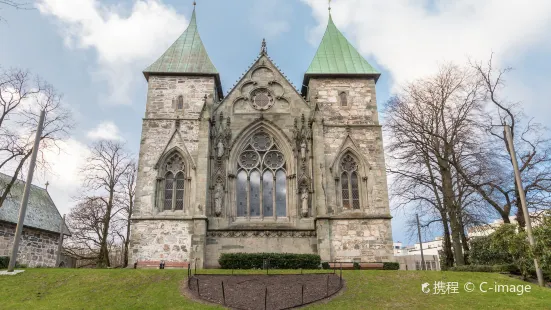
(484, 252)
(325, 265)
(356, 266)
(391, 266)
(4, 262)
(276, 261)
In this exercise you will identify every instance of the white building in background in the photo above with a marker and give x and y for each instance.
(410, 257)
(487, 229)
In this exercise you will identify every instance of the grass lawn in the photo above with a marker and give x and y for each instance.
(160, 289)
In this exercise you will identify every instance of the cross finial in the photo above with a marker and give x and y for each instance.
(329, 5)
(47, 183)
(194, 3)
(263, 49)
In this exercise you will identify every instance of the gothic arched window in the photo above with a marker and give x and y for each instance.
(174, 183)
(261, 179)
(350, 193)
(180, 104)
(343, 99)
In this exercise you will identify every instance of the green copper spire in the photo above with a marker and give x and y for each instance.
(185, 56)
(336, 56)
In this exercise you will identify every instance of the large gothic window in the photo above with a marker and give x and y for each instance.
(174, 183)
(350, 194)
(261, 179)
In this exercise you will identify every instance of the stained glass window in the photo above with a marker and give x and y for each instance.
(350, 194)
(256, 197)
(169, 185)
(179, 191)
(174, 183)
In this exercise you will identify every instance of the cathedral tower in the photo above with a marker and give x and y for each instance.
(168, 220)
(354, 217)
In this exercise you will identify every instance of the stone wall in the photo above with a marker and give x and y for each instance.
(168, 240)
(258, 242)
(362, 240)
(37, 248)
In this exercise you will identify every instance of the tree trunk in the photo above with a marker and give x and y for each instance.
(464, 241)
(103, 259)
(451, 208)
(447, 246)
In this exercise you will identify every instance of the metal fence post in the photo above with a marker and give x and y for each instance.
(198, 292)
(196, 266)
(302, 298)
(223, 294)
(327, 291)
(266, 299)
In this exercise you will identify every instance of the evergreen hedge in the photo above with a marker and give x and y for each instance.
(276, 261)
(4, 262)
(391, 266)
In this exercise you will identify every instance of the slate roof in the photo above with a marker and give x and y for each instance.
(186, 55)
(41, 210)
(336, 55)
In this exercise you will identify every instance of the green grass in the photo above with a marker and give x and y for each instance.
(160, 289)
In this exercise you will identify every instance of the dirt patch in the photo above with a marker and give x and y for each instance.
(263, 291)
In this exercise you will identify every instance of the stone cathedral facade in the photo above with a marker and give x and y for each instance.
(265, 168)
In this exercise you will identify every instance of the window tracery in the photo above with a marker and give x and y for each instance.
(350, 194)
(173, 183)
(261, 189)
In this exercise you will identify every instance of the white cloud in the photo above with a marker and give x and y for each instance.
(271, 17)
(63, 172)
(125, 42)
(410, 38)
(105, 130)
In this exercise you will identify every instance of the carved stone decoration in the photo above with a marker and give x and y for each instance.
(302, 136)
(218, 199)
(261, 233)
(262, 99)
(304, 197)
(220, 137)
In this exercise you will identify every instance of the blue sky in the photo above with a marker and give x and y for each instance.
(93, 51)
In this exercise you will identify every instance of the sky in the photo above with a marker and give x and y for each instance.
(94, 51)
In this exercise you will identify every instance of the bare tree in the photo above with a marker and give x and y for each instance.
(104, 173)
(429, 121)
(18, 5)
(489, 170)
(22, 98)
(128, 191)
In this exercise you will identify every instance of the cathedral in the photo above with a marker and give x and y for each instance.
(266, 168)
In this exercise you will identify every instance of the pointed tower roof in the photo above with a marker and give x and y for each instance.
(186, 56)
(337, 57)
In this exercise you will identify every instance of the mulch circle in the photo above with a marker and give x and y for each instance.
(264, 291)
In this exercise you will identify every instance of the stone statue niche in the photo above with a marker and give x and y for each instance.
(220, 140)
(302, 136)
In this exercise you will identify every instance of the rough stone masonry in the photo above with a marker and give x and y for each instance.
(263, 168)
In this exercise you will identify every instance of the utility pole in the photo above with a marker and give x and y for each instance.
(423, 267)
(59, 246)
(522, 195)
(25, 198)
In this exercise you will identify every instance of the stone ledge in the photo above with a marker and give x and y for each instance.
(168, 218)
(262, 233)
(355, 217)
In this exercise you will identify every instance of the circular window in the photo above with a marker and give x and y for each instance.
(262, 99)
(248, 159)
(274, 159)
